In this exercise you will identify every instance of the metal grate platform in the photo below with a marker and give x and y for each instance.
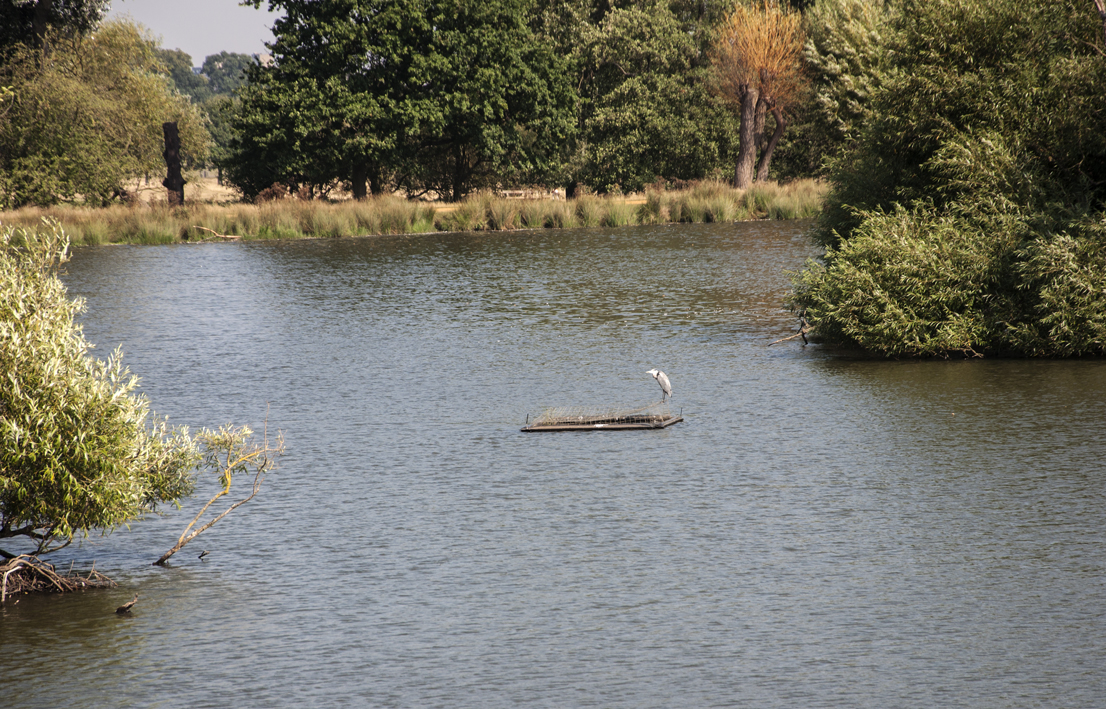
(652, 416)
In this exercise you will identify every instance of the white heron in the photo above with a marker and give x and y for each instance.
(662, 379)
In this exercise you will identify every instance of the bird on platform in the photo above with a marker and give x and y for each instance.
(126, 607)
(202, 554)
(662, 379)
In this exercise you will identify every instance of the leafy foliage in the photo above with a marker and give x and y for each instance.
(226, 71)
(179, 66)
(647, 111)
(86, 116)
(847, 51)
(970, 216)
(22, 21)
(443, 96)
(78, 448)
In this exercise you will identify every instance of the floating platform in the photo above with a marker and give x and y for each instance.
(579, 419)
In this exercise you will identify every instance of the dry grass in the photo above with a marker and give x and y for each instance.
(156, 223)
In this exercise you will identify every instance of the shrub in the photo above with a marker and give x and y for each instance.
(78, 448)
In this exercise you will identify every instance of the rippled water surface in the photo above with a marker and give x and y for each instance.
(821, 530)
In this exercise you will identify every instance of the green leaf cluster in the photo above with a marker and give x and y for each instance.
(79, 449)
(19, 19)
(847, 53)
(443, 96)
(178, 65)
(85, 116)
(647, 109)
(971, 213)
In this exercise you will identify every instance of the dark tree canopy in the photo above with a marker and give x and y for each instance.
(646, 111)
(179, 66)
(443, 96)
(226, 71)
(22, 20)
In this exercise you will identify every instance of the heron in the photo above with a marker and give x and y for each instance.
(662, 379)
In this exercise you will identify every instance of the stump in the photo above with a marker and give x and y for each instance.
(174, 181)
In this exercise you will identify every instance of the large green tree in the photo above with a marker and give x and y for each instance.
(645, 110)
(970, 216)
(226, 71)
(86, 116)
(178, 64)
(27, 21)
(445, 96)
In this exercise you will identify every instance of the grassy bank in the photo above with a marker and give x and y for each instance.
(295, 219)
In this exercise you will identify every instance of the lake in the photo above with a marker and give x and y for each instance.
(821, 530)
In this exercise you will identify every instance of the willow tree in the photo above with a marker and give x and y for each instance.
(79, 448)
(757, 59)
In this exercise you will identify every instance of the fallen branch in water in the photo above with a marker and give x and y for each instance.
(27, 573)
(230, 450)
(800, 333)
(804, 328)
(221, 236)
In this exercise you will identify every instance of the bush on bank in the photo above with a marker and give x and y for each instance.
(971, 217)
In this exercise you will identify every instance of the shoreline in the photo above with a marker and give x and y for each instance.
(391, 215)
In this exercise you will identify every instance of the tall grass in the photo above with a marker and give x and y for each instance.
(294, 219)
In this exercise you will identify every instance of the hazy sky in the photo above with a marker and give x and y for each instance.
(201, 27)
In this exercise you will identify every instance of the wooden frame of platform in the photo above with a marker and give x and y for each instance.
(635, 423)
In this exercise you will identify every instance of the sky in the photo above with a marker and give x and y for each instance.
(201, 27)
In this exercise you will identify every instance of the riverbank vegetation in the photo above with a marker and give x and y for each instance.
(80, 450)
(969, 214)
(426, 101)
(291, 218)
(963, 140)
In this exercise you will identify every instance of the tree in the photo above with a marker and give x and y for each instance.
(645, 110)
(178, 64)
(221, 110)
(847, 52)
(970, 216)
(79, 449)
(226, 71)
(446, 96)
(23, 20)
(86, 117)
(757, 58)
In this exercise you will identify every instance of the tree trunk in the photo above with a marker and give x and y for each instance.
(376, 180)
(747, 149)
(1100, 5)
(358, 180)
(766, 156)
(758, 124)
(458, 173)
(43, 10)
(174, 181)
